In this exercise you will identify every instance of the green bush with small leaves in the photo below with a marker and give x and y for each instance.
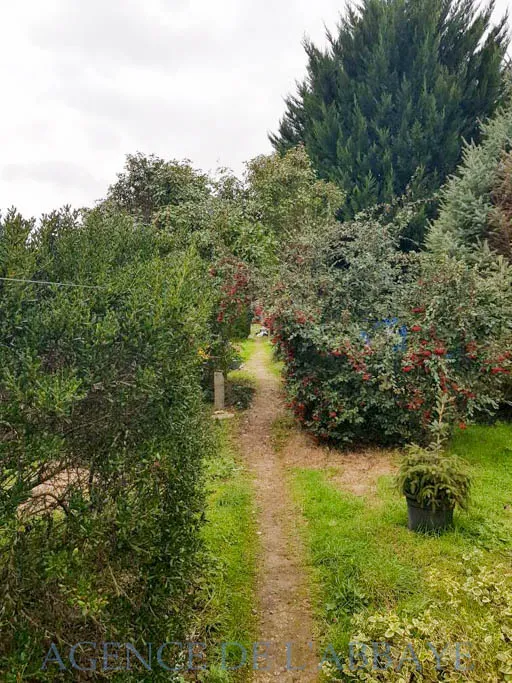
(102, 434)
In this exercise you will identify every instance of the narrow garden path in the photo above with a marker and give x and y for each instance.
(284, 611)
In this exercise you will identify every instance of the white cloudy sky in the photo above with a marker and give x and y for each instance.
(86, 81)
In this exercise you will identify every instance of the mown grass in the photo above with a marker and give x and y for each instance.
(230, 538)
(365, 561)
(274, 365)
(245, 347)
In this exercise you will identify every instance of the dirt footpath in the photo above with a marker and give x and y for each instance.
(284, 612)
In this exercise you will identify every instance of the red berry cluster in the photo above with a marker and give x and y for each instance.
(235, 289)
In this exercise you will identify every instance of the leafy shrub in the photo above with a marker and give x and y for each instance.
(102, 433)
(149, 184)
(284, 193)
(389, 347)
(478, 600)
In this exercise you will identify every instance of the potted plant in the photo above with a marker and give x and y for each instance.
(433, 483)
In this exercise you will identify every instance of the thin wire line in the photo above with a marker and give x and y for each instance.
(46, 282)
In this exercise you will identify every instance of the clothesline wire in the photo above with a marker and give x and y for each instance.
(46, 282)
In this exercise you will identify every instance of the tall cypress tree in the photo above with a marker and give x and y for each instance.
(388, 103)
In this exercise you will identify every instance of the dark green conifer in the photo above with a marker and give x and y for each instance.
(388, 104)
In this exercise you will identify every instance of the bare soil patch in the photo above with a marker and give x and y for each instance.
(55, 491)
(356, 471)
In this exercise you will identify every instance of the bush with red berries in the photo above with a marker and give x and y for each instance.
(386, 347)
(231, 290)
(234, 286)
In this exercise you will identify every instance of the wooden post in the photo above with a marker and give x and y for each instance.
(218, 384)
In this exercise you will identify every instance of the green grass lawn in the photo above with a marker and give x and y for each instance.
(230, 538)
(274, 365)
(375, 581)
(245, 347)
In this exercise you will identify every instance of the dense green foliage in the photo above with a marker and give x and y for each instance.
(113, 319)
(101, 432)
(477, 201)
(285, 195)
(390, 101)
(384, 346)
(149, 184)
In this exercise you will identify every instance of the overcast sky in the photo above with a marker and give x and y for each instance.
(85, 82)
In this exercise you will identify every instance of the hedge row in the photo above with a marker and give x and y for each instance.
(102, 434)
